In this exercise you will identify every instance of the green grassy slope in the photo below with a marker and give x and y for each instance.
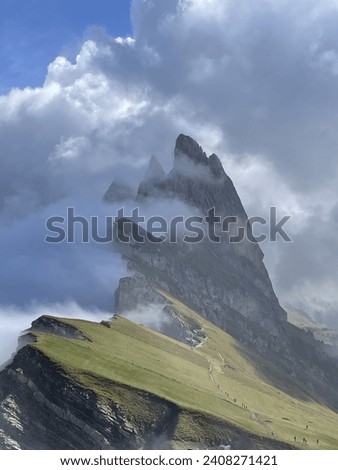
(218, 379)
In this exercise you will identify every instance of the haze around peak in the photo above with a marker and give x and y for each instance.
(264, 102)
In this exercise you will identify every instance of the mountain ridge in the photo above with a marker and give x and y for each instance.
(224, 365)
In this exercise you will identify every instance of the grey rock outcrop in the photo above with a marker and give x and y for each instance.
(40, 408)
(47, 324)
(139, 301)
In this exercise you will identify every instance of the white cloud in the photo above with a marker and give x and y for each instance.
(318, 299)
(151, 315)
(128, 40)
(69, 148)
(14, 321)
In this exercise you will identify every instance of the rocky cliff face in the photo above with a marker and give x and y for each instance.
(226, 282)
(136, 293)
(217, 278)
(292, 349)
(43, 407)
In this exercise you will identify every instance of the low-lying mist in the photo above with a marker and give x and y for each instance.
(65, 279)
(14, 320)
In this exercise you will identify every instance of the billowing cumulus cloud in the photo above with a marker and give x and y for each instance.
(255, 82)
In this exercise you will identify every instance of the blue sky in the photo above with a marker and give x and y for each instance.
(34, 32)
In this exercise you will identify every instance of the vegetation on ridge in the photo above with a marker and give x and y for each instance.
(218, 379)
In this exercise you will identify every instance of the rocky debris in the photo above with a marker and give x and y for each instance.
(183, 328)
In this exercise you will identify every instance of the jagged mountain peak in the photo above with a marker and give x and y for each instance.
(154, 170)
(188, 151)
(195, 179)
(152, 178)
(201, 181)
(216, 166)
(188, 147)
(118, 191)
